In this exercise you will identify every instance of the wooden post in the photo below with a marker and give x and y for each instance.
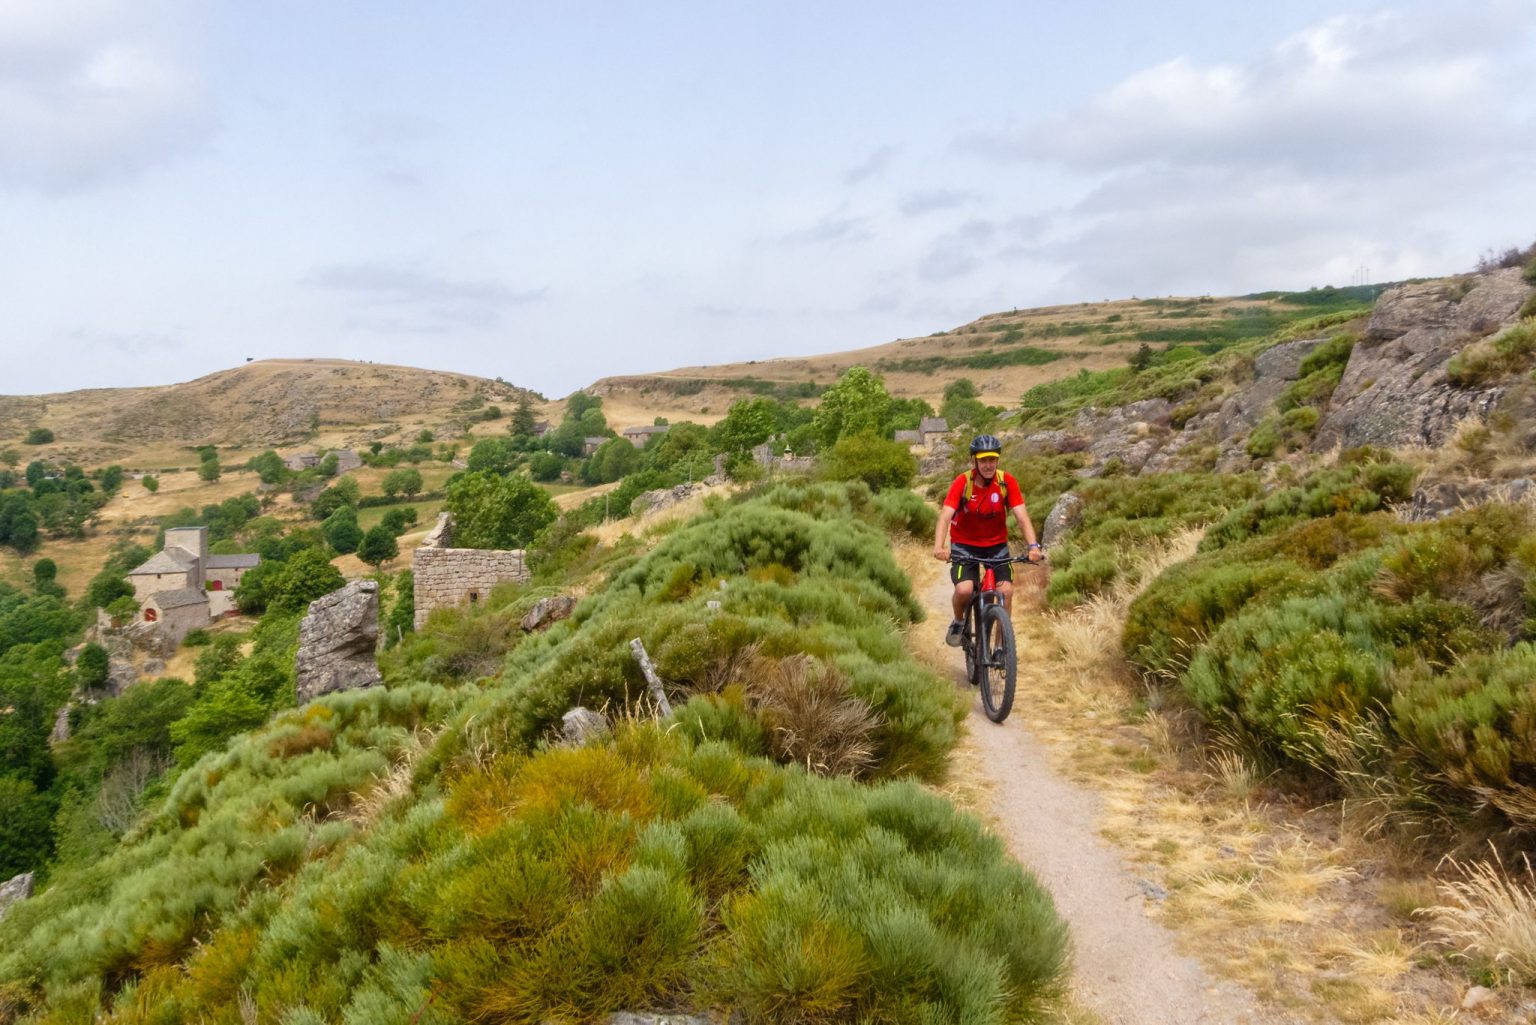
(663, 706)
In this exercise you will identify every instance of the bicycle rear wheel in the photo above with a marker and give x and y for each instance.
(999, 668)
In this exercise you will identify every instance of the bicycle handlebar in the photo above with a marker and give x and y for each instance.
(994, 560)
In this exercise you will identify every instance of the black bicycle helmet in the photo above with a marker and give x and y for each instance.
(985, 445)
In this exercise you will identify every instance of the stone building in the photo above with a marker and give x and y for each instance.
(447, 577)
(182, 587)
(639, 436)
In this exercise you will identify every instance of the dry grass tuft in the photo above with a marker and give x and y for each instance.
(812, 716)
(1489, 915)
(392, 785)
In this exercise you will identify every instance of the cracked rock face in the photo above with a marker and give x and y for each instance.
(337, 641)
(1395, 390)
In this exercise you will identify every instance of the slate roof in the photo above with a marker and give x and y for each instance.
(169, 560)
(933, 424)
(178, 598)
(232, 561)
(648, 429)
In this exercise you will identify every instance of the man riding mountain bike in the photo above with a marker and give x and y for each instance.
(975, 520)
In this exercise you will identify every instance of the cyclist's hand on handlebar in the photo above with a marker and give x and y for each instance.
(1035, 555)
(941, 552)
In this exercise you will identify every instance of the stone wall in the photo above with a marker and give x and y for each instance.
(178, 622)
(146, 586)
(446, 577)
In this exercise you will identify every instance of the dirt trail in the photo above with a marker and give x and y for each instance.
(1126, 967)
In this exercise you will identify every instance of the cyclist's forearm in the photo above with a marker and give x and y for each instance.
(941, 532)
(1022, 515)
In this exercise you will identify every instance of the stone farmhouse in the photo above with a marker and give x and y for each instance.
(182, 587)
(639, 436)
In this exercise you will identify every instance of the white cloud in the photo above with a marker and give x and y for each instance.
(94, 91)
(404, 300)
(1391, 140)
(1375, 90)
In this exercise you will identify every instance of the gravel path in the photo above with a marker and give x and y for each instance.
(1125, 966)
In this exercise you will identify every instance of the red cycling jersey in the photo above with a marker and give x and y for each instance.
(984, 519)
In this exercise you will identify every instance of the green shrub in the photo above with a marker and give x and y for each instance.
(1358, 487)
(879, 463)
(1474, 725)
(1489, 359)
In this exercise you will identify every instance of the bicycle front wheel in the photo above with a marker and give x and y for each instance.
(1000, 664)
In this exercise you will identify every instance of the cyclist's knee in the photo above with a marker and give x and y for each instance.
(964, 588)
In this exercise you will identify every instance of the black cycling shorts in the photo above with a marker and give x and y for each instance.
(971, 571)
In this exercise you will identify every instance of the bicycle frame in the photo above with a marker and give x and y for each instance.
(982, 658)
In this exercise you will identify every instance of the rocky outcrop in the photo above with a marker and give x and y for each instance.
(1228, 427)
(663, 498)
(1132, 434)
(15, 890)
(1064, 515)
(337, 640)
(548, 611)
(1433, 501)
(1395, 390)
(581, 726)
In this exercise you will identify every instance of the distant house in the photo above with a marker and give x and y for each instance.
(910, 437)
(182, 587)
(933, 428)
(346, 459)
(590, 445)
(638, 436)
(542, 428)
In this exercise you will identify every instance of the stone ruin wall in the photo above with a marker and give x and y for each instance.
(447, 577)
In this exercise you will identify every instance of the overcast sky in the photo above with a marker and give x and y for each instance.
(551, 193)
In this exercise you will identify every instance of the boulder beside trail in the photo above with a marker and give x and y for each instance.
(15, 890)
(1064, 515)
(548, 611)
(337, 641)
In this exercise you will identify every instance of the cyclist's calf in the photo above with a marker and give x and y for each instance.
(962, 597)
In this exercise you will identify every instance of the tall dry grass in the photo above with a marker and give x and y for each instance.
(1489, 916)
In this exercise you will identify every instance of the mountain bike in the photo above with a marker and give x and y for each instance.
(991, 660)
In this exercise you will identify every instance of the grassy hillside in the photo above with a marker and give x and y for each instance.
(420, 853)
(285, 403)
(1004, 353)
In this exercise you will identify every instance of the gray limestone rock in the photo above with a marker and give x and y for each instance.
(15, 890)
(656, 1018)
(581, 726)
(663, 498)
(1132, 433)
(1064, 515)
(60, 732)
(1433, 501)
(548, 611)
(1395, 390)
(121, 674)
(337, 641)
